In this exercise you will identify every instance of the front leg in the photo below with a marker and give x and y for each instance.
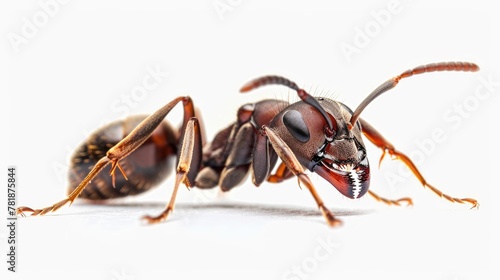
(291, 162)
(282, 174)
(376, 138)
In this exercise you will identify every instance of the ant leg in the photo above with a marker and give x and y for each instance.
(192, 136)
(282, 173)
(121, 150)
(103, 162)
(396, 202)
(291, 162)
(376, 138)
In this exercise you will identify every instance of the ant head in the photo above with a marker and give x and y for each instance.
(318, 132)
(342, 160)
(338, 154)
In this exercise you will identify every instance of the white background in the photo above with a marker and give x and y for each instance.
(69, 74)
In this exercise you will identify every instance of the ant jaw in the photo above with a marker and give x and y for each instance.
(350, 180)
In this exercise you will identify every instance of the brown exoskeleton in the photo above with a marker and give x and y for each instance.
(318, 134)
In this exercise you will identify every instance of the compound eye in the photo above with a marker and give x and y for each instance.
(296, 126)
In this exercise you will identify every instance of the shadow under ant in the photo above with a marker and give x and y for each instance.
(260, 209)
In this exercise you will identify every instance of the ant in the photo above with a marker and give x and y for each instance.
(318, 134)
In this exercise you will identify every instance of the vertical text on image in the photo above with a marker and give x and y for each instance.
(11, 219)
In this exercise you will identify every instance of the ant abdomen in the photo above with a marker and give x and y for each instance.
(145, 168)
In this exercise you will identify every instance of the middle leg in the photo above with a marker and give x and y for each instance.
(192, 137)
